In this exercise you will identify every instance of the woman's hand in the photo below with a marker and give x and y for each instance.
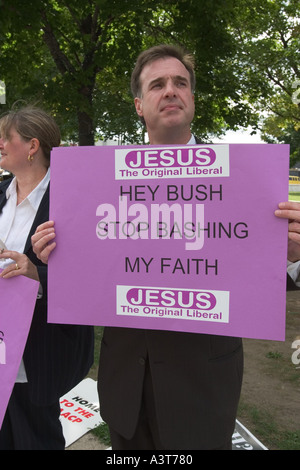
(21, 266)
(42, 241)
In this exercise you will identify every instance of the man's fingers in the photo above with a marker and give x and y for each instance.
(45, 226)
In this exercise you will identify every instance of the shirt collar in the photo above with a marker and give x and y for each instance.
(192, 140)
(35, 197)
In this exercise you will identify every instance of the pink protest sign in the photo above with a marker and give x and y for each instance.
(18, 297)
(170, 238)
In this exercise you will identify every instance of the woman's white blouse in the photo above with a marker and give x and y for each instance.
(15, 224)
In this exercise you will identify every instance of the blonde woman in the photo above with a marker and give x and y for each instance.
(56, 357)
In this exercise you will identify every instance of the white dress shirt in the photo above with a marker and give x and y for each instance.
(293, 270)
(192, 140)
(16, 221)
(15, 224)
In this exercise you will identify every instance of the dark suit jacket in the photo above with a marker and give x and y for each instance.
(56, 357)
(196, 380)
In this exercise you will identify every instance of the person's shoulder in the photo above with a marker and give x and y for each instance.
(5, 183)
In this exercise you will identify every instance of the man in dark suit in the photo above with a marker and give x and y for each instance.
(163, 389)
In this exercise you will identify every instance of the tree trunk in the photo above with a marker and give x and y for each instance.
(85, 129)
(85, 119)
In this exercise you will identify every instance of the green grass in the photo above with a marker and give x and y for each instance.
(294, 196)
(266, 430)
(102, 431)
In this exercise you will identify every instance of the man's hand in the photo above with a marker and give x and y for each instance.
(291, 211)
(42, 241)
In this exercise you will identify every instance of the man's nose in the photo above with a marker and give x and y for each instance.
(170, 89)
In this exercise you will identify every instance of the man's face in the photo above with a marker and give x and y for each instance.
(167, 102)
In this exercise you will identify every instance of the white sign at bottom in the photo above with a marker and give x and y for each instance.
(80, 411)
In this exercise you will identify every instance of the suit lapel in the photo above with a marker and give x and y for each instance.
(3, 188)
(42, 215)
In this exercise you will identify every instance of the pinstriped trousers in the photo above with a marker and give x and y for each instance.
(27, 426)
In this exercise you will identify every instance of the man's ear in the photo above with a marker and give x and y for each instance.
(138, 106)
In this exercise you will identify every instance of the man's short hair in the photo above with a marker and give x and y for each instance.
(161, 52)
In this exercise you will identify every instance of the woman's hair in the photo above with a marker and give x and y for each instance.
(32, 123)
(161, 52)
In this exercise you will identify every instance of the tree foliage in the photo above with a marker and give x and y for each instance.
(75, 58)
(269, 57)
